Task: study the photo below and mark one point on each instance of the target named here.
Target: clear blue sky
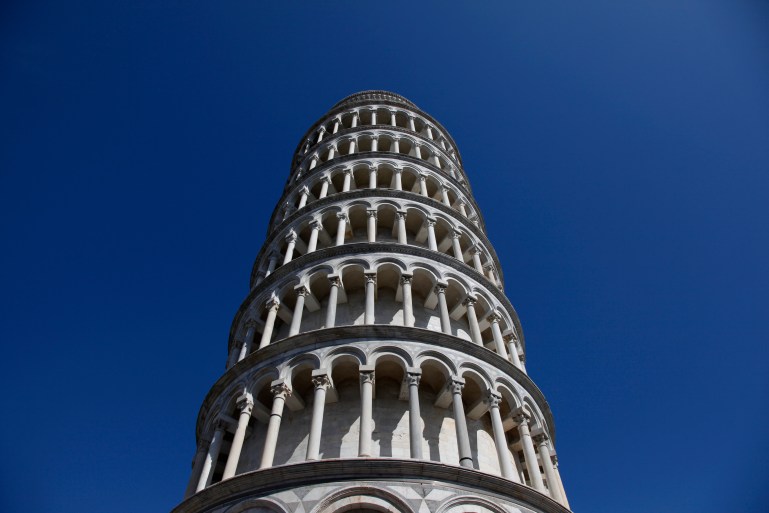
(619, 152)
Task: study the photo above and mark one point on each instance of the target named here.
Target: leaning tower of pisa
(376, 363)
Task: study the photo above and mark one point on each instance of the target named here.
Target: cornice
(346, 334)
(266, 481)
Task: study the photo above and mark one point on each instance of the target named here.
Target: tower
(376, 363)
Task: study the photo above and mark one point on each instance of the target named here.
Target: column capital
(326, 178)
(366, 374)
(304, 190)
(316, 224)
(291, 236)
(456, 384)
(476, 249)
(456, 234)
(398, 170)
(342, 216)
(440, 287)
(413, 375)
(321, 379)
(371, 212)
(493, 399)
(370, 277)
(430, 221)
(494, 317)
(273, 303)
(279, 389)
(400, 214)
(406, 278)
(347, 171)
(302, 290)
(520, 416)
(422, 176)
(335, 279)
(245, 403)
(488, 266)
(470, 300)
(509, 335)
(539, 436)
(322, 128)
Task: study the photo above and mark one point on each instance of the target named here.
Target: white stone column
(354, 119)
(368, 317)
(472, 320)
(398, 180)
(366, 410)
(505, 463)
(400, 219)
(324, 183)
(333, 295)
(392, 119)
(374, 144)
(272, 310)
(494, 318)
(440, 291)
(490, 273)
(411, 124)
(417, 151)
(423, 184)
(321, 133)
(353, 142)
(373, 117)
(316, 226)
(408, 306)
(429, 132)
(246, 405)
(337, 124)
(331, 152)
(291, 240)
(341, 228)
(372, 177)
(303, 195)
(456, 385)
(271, 264)
(396, 147)
(197, 466)
(248, 341)
(462, 208)
(313, 161)
(521, 417)
(371, 225)
(540, 438)
(320, 381)
(280, 391)
(455, 236)
(207, 472)
(437, 160)
(512, 348)
(347, 180)
(476, 251)
(432, 243)
(415, 417)
(564, 500)
(296, 320)
(445, 196)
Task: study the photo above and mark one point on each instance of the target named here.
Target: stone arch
(360, 497)
(469, 504)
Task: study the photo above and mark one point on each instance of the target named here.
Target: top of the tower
(373, 95)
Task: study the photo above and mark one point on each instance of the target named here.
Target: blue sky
(619, 152)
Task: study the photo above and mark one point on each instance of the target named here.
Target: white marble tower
(376, 363)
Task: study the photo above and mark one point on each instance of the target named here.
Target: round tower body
(376, 363)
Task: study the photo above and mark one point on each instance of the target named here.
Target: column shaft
(472, 318)
(237, 441)
(408, 307)
(333, 296)
(368, 317)
(415, 418)
(320, 381)
(444, 310)
(366, 406)
(460, 422)
(269, 324)
(279, 393)
(207, 472)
